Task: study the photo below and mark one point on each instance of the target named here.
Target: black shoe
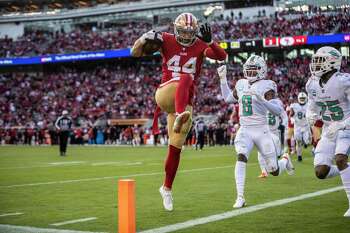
(300, 158)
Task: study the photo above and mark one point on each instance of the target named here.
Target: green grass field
(49, 189)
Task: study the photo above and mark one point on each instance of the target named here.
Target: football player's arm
(225, 90)
(214, 51)
(227, 94)
(269, 101)
(137, 48)
(312, 113)
(347, 93)
(291, 112)
(273, 106)
(284, 117)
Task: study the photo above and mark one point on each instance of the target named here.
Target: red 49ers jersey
(178, 59)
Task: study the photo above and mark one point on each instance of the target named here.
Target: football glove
(222, 71)
(334, 128)
(151, 35)
(205, 33)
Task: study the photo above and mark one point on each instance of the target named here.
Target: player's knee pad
(165, 96)
(178, 139)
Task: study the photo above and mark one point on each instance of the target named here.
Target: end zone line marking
(112, 177)
(73, 221)
(233, 213)
(23, 229)
(10, 214)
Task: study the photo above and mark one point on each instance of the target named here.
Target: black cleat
(300, 158)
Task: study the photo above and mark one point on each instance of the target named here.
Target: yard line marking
(73, 221)
(116, 163)
(144, 160)
(233, 213)
(112, 177)
(24, 229)
(10, 214)
(65, 163)
(105, 163)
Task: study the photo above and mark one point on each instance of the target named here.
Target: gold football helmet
(185, 28)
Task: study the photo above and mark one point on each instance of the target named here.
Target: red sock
(183, 93)
(171, 165)
(289, 142)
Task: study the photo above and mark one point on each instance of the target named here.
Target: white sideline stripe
(73, 221)
(10, 214)
(23, 229)
(112, 177)
(233, 213)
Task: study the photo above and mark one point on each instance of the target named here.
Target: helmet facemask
(318, 66)
(185, 36)
(251, 72)
(254, 68)
(302, 98)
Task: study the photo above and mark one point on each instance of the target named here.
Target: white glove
(333, 129)
(222, 71)
(257, 95)
(151, 35)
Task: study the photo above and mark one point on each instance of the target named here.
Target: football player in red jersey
(183, 53)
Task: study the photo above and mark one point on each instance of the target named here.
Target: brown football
(151, 46)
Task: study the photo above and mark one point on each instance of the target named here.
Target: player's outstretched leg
(240, 173)
(176, 141)
(344, 169)
(182, 97)
(171, 166)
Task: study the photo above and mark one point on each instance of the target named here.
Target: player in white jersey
(275, 123)
(302, 133)
(254, 94)
(329, 99)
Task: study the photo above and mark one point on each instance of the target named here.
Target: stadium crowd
(32, 101)
(94, 38)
